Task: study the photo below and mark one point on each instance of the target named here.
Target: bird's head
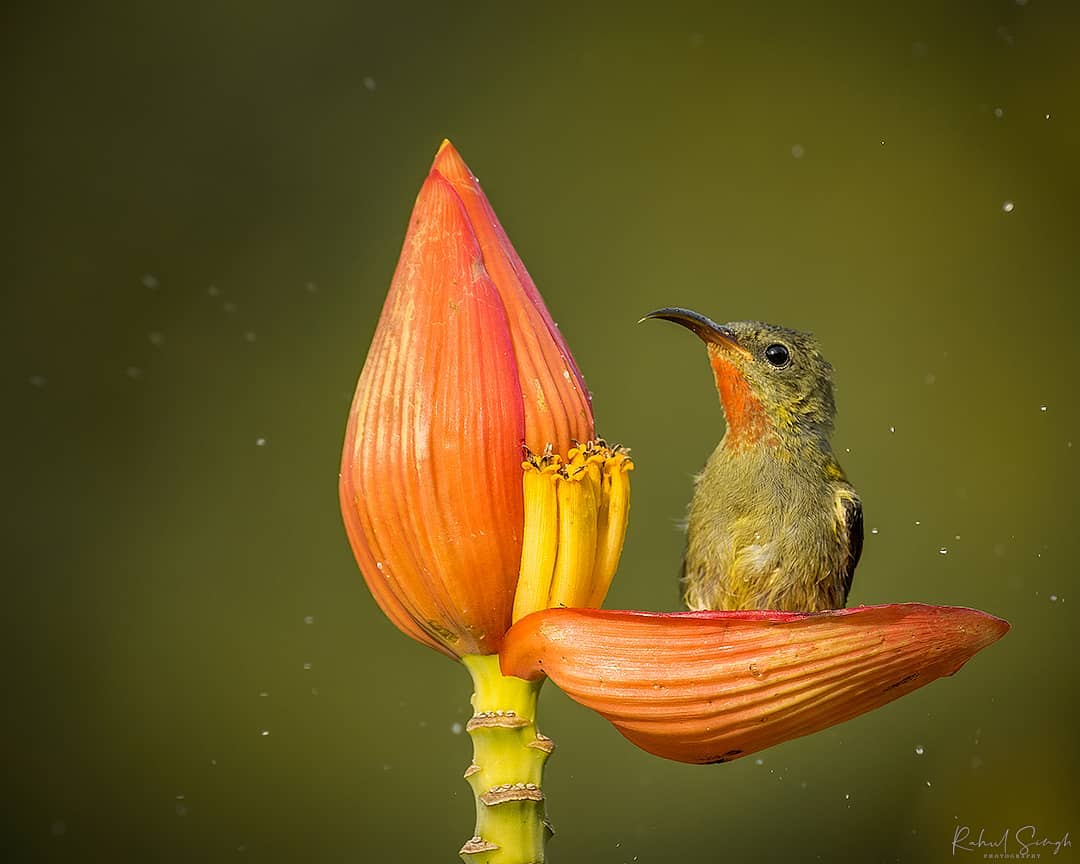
(773, 382)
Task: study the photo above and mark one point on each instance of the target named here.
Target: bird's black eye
(778, 355)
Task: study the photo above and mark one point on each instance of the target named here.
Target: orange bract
(557, 407)
(431, 476)
(713, 686)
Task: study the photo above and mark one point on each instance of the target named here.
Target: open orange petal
(712, 686)
(431, 470)
(557, 406)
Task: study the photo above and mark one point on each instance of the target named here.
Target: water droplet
(919, 750)
(1043, 408)
(456, 728)
(873, 530)
(798, 151)
(249, 335)
(892, 429)
(264, 693)
(943, 551)
(369, 83)
(956, 537)
(264, 732)
(999, 113)
(1008, 207)
(149, 280)
(1053, 598)
(917, 522)
(1047, 116)
(927, 784)
(309, 619)
(213, 763)
(759, 761)
(379, 564)
(307, 667)
(755, 671)
(260, 442)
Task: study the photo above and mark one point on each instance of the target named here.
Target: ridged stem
(507, 770)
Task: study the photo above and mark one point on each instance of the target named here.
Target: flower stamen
(575, 522)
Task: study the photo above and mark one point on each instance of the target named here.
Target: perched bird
(773, 523)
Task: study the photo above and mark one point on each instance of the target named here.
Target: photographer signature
(1026, 842)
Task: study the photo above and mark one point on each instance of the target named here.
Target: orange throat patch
(746, 420)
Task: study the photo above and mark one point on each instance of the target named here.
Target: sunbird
(773, 522)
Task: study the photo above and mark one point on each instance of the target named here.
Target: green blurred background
(205, 205)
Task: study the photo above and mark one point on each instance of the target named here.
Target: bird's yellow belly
(799, 572)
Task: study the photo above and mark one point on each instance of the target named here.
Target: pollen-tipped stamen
(540, 539)
(578, 511)
(611, 528)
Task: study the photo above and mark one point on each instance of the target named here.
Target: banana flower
(487, 520)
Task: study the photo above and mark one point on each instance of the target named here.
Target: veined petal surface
(430, 479)
(557, 406)
(712, 686)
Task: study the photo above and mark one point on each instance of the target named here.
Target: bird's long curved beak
(706, 329)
